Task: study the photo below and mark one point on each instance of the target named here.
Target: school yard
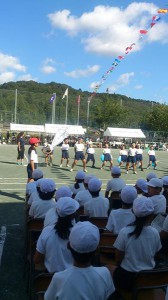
(12, 215)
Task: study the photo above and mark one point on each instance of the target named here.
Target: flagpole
(78, 109)
(88, 112)
(53, 109)
(15, 106)
(66, 110)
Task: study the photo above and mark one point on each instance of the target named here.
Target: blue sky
(76, 42)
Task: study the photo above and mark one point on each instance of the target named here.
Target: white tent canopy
(124, 133)
(72, 129)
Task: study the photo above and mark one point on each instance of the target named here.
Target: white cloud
(122, 81)
(26, 77)
(83, 73)
(47, 66)
(6, 77)
(139, 87)
(109, 30)
(8, 62)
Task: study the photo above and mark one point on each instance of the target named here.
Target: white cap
(94, 184)
(66, 206)
(80, 175)
(47, 186)
(37, 174)
(88, 177)
(128, 194)
(155, 182)
(63, 191)
(38, 182)
(165, 180)
(143, 206)
(84, 237)
(142, 185)
(150, 176)
(115, 171)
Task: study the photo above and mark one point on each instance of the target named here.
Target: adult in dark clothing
(21, 148)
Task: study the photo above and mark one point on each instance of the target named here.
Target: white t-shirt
(139, 151)
(97, 207)
(92, 283)
(65, 147)
(123, 152)
(51, 217)
(159, 202)
(31, 187)
(140, 252)
(83, 196)
(34, 197)
(115, 184)
(119, 218)
(38, 209)
(165, 224)
(132, 151)
(57, 256)
(79, 147)
(107, 150)
(33, 156)
(91, 150)
(151, 152)
(74, 190)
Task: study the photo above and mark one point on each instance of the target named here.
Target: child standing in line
(152, 158)
(107, 157)
(139, 157)
(90, 152)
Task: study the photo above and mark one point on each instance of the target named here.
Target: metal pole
(53, 109)
(15, 120)
(66, 110)
(88, 112)
(78, 109)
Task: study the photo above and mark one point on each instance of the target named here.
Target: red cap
(34, 141)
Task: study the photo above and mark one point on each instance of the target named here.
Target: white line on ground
(2, 240)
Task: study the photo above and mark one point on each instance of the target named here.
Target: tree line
(105, 110)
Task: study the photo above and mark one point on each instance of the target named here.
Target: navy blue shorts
(139, 157)
(65, 154)
(29, 170)
(131, 159)
(90, 157)
(124, 158)
(152, 158)
(107, 157)
(21, 153)
(79, 155)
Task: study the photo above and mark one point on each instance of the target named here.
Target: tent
(124, 133)
(72, 129)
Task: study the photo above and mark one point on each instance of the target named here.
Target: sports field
(12, 192)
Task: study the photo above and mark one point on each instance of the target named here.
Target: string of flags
(128, 49)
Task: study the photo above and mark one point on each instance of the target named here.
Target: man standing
(21, 148)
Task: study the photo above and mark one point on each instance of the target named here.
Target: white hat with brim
(143, 206)
(66, 206)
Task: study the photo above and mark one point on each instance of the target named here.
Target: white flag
(65, 94)
(60, 135)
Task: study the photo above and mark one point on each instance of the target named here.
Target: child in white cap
(51, 215)
(52, 243)
(38, 209)
(31, 186)
(154, 191)
(141, 187)
(165, 188)
(116, 183)
(84, 196)
(98, 206)
(79, 183)
(121, 217)
(136, 245)
(82, 281)
(150, 176)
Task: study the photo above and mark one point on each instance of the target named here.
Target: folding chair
(148, 285)
(115, 201)
(40, 285)
(106, 248)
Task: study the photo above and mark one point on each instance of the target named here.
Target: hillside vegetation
(112, 110)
